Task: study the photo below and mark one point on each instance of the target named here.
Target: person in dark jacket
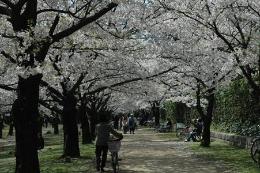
(103, 131)
(131, 124)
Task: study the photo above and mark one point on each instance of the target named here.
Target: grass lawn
(168, 136)
(237, 158)
(50, 161)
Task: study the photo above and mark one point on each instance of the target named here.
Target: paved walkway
(145, 152)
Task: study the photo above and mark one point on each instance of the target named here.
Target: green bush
(237, 110)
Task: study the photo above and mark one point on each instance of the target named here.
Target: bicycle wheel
(181, 134)
(198, 138)
(255, 151)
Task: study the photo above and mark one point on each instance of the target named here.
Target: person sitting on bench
(198, 125)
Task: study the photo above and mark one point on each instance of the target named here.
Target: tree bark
(1, 131)
(55, 124)
(86, 135)
(180, 110)
(71, 136)
(55, 128)
(27, 125)
(156, 113)
(93, 122)
(207, 120)
(11, 129)
(1, 126)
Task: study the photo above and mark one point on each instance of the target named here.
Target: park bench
(163, 128)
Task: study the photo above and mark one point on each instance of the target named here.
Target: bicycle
(255, 150)
(182, 133)
(114, 147)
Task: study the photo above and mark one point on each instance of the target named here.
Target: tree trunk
(207, 119)
(156, 113)
(157, 117)
(11, 129)
(93, 122)
(1, 132)
(56, 128)
(27, 125)
(86, 135)
(1, 126)
(71, 136)
(180, 110)
(55, 125)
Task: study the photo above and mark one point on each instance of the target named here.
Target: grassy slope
(50, 161)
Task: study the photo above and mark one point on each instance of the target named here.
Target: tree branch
(5, 11)
(54, 25)
(8, 3)
(51, 89)
(130, 80)
(83, 23)
(46, 105)
(12, 60)
(77, 84)
(7, 88)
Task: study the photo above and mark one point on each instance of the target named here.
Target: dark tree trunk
(92, 123)
(180, 110)
(1, 126)
(11, 129)
(156, 112)
(27, 125)
(92, 127)
(1, 131)
(56, 128)
(71, 136)
(207, 119)
(86, 135)
(55, 125)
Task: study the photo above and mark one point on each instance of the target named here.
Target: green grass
(51, 162)
(169, 136)
(5, 131)
(145, 128)
(239, 159)
(50, 158)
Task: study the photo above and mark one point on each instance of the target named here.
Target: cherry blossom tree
(197, 52)
(29, 29)
(235, 26)
(206, 43)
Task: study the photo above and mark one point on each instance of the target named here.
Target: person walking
(103, 131)
(125, 124)
(131, 124)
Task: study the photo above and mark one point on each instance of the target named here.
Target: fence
(236, 140)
